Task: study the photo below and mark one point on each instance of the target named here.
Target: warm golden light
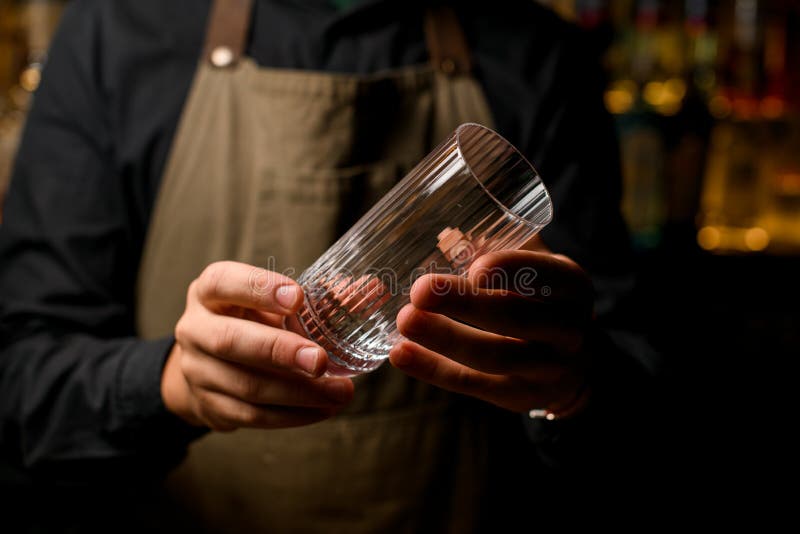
(620, 97)
(675, 88)
(666, 97)
(709, 238)
(654, 93)
(756, 239)
(618, 102)
(728, 238)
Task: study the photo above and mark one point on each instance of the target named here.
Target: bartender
(175, 149)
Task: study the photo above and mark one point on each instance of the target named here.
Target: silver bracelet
(579, 401)
(542, 414)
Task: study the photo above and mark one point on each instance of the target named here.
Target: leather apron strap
(229, 26)
(447, 45)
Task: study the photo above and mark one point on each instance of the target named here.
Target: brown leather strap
(228, 27)
(229, 24)
(447, 44)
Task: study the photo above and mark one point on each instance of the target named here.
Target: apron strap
(226, 36)
(447, 44)
(229, 25)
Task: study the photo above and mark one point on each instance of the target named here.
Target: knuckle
(465, 380)
(278, 349)
(182, 330)
(249, 387)
(210, 279)
(224, 341)
(206, 407)
(261, 282)
(188, 367)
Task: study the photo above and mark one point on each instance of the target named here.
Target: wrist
(175, 391)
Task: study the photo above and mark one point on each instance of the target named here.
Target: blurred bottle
(793, 58)
(639, 75)
(687, 132)
(781, 215)
(742, 72)
(751, 194)
(733, 190)
(703, 42)
(773, 100)
(733, 196)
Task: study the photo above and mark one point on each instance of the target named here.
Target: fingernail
(307, 359)
(287, 296)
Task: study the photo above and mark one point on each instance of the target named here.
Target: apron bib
(269, 167)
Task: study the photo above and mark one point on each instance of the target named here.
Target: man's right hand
(234, 365)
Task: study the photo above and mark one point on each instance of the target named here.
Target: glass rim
(505, 208)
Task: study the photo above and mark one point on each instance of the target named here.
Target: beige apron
(269, 167)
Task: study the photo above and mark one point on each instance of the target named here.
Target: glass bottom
(344, 359)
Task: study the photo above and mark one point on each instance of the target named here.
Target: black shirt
(77, 388)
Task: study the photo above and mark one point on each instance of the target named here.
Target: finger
(274, 320)
(224, 413)
(480, 350)
(257, 387)
(251, 344)
(544, 276)
(507, 392)
(230, 283)
(270, 319)
(498, 311)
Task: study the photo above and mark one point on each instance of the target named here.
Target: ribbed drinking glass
(475, 193)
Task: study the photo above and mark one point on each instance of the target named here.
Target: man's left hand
(511, 333)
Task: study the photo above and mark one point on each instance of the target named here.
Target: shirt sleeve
(78, 391)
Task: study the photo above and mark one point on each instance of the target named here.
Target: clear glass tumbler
(475, 193)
